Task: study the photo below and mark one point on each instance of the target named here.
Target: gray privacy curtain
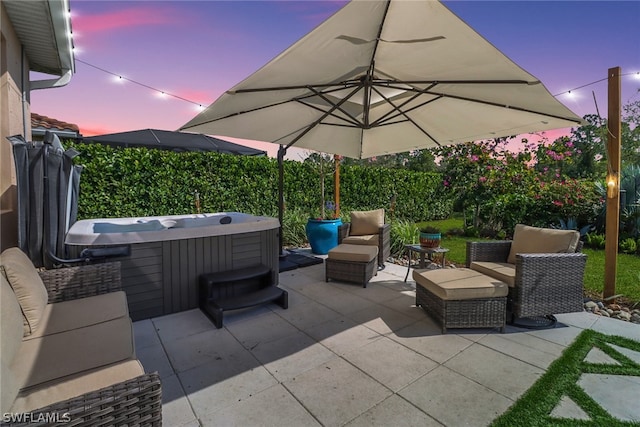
(48, 187)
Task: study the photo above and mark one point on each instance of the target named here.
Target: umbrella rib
(422, 104)
(416, 95)
(350, 119)
(509, 107)
(330, 102)
(444, 95)
(343, 85)
(405, 115)
(306, 86)
(324, 116)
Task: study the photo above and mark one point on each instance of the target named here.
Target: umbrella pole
(281, 152)
(336, 185)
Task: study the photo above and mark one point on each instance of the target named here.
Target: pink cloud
(199, 96)
(95, 130)
(132, 17)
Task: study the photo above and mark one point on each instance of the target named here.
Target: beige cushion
(367, 239)
(76, 385)
(460, 284)
(10, 341)
(366, 222)
(27, 285)
(10, 321)
(9, 387)
(79, 313)
(532, 240)
(502, 271)
(55, 356)
(355, 253)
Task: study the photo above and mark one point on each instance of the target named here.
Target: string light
(163, 94)
(120, 78)
(569, 92)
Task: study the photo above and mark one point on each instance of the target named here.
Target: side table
(424, 251)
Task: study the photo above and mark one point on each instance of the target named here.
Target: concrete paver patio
(346, 355)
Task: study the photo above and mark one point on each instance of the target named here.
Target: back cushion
(10, 340)
(366, 222)
(27, 286)
(530, 240)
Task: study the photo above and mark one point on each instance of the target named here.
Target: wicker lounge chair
(368, 228)
(543, 268)
(133, 399)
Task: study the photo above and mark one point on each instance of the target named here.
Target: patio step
(236, 289)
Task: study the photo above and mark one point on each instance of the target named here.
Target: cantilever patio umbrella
(382, 77)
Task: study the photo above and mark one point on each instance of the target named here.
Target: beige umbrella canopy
(383, 77)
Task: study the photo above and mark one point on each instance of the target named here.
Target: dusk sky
(199, 49)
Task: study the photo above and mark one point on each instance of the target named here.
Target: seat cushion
(10, 342)
(10, 321)
(459, 284)
(9, 385)
(366, 222)
(366, 239)
(76, 385)
(27, 285)
(55, 356)
(82, 312)
(355, 253)
(502, 271)
(532, 240)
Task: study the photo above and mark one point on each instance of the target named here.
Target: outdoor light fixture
(612, 186)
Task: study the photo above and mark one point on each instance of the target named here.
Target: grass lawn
(561, 380)
(628, 271)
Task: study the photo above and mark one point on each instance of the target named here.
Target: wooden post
(281, 152)
(613, 182)
(336, 185)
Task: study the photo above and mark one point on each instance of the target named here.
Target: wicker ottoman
(352, 263)
(462, 298)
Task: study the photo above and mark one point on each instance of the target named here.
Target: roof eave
(30, 19)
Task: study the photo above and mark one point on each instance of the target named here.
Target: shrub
(403, 233)
(130, 182)
(628, 246)
(595, 241)
(293, 227)
(471, 232)
(428, 229)
(455, 232)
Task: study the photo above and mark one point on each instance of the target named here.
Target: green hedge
(129, 182)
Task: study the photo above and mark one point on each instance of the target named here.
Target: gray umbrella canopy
(174, 141)
(385, 76)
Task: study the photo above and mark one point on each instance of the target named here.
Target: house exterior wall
(14, 81)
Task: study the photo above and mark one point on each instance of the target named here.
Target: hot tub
(169, 253)
(119, 231)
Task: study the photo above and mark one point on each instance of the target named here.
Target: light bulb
(611, 188)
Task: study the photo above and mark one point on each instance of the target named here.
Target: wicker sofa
(543, 268)
(368, 228)
(67, 349)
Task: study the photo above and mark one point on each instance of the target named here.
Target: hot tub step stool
(236, 289)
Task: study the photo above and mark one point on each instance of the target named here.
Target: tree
(630, 152)
(583, 154)
(422, 161)
(323, 165)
